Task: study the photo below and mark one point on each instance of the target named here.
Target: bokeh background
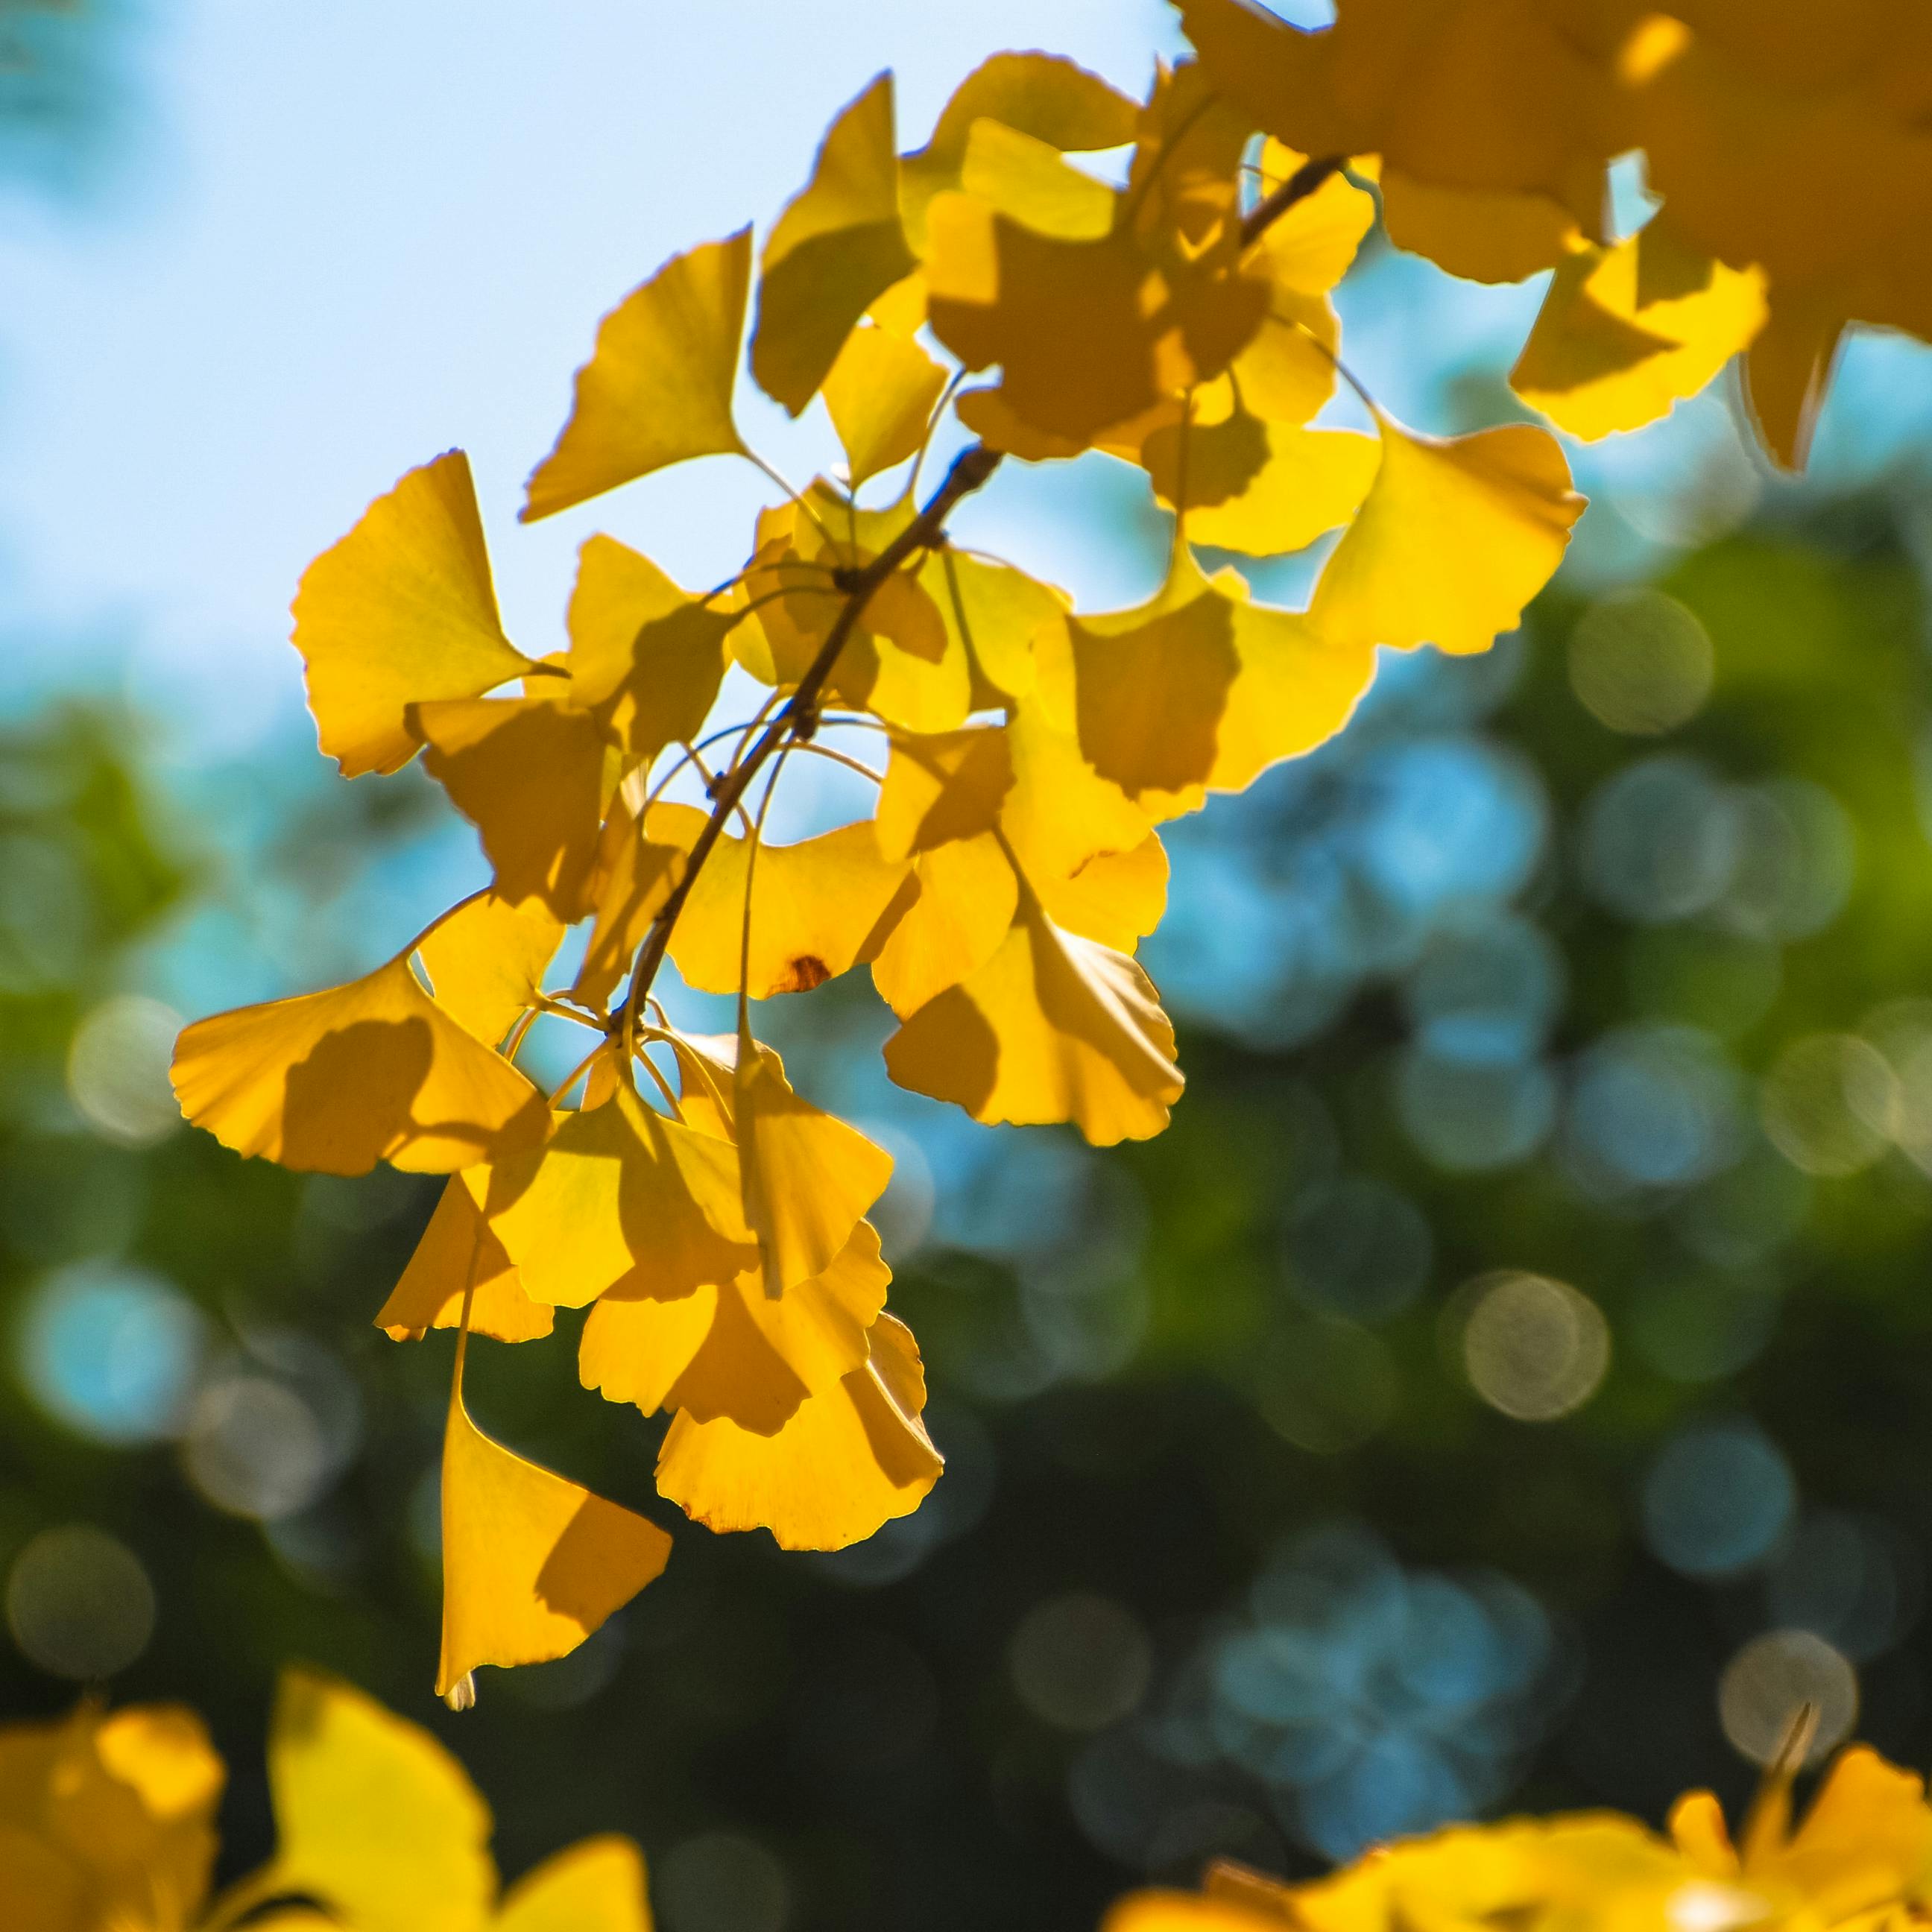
(1505, 1384)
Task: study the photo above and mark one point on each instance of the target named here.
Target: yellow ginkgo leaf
(943, 787)
(657, 389)
(1483, 235)
(485, 961)
(808, 1177)
(1624, 332)
(881, 392)
(638, 869)
(967, 892)
(334, 1081)
(528, 772)
(402, 610)
(1454, 539)
(839, 245)
(993, 610)
(620, 1190)
(1161, 1911)
(1117, 897)
(1788, 372)
(1261, 488)
(459, 1254)
(1053, 1027)
(1030, 181)
(1308, 248)
(531, 1564)
(1050, 99)
(1060, 812)
(597, 1886)
(646, 654)
(735, 1350)
(846, 1462)
(374, 1819)
(816, 910)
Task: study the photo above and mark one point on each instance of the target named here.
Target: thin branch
(858, 765)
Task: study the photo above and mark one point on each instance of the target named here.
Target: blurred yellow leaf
(1053, 1027)
(815, 907)
(644, 654)
(1484, 235)
(881, 392)
(968, 892)
(334, 1081)
(808, 1177)
(1455, 538)
(846, 1462)
(597, 1886)
(458, 1253)
(1030, 181)
(621, 1191)
(657, 389)
(838, 246)
(402, 609)
(1624, 332)
(485, 960)
(373, 1818)
(528, 772)
(943, 787)
(531, 1564)
(736, 1351)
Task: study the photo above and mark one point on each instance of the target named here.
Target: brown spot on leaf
(802, 973)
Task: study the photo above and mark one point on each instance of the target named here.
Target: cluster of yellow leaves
(1790, 146)
(1862, 1856)
(107, 1821)
(710, 1219)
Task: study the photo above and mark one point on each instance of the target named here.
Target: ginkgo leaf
(597, 1886)
(1624, 332)
(880, 392)
(1160, 1910)
(1042, 95)
(1053, 1027)
(401, 610)
(373, 1818)
(808, 1177)
(531, 1564)
(1117, 897)
(839, 245)
(968, 893)
(334, 1081)
(816, 908)
(1787, 373)
(1308, 248)
(647, 654)
(943, 787)
(1060, 812)
(1483, 235)
(846, 1462)
(459, 1255)
(528, 772)
(658, 387)
(993, 610)
(485, 961)
(621, 1191)
(638, 868)
(1031, 182)
(735, 1350)
(1454, 539)
(1261, 488)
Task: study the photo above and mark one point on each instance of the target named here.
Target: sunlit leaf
(1484, 235)
(658, 387)
(736, 1351)
(1454, 539)
(638, 867)
(334, 1081)
(528, 772)
(531, 1564)
(402, 610)
(880, 393)
(993, 610)
(839, 245)
(485, 960)
(458, 1254)
(1624, 332)
(938, 788)
(597, 1886)
(1117, 897)
(1053, 1027)
(848, 1461)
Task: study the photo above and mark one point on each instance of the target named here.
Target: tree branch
(971, 470)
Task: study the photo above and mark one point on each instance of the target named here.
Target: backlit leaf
(946, 786)
(1454, 539)
(839, 245)
(638, 867)
(485, 961)
(1053, 1027)
(1484, 235)
(334, 1081)
(459, 1254)
(657, 389)
(402, 610)
(597, 1886)
(880, 393)
(848, 1461)
(1117, 897)
(968, 893)
(993, 611)
(531, 1564)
